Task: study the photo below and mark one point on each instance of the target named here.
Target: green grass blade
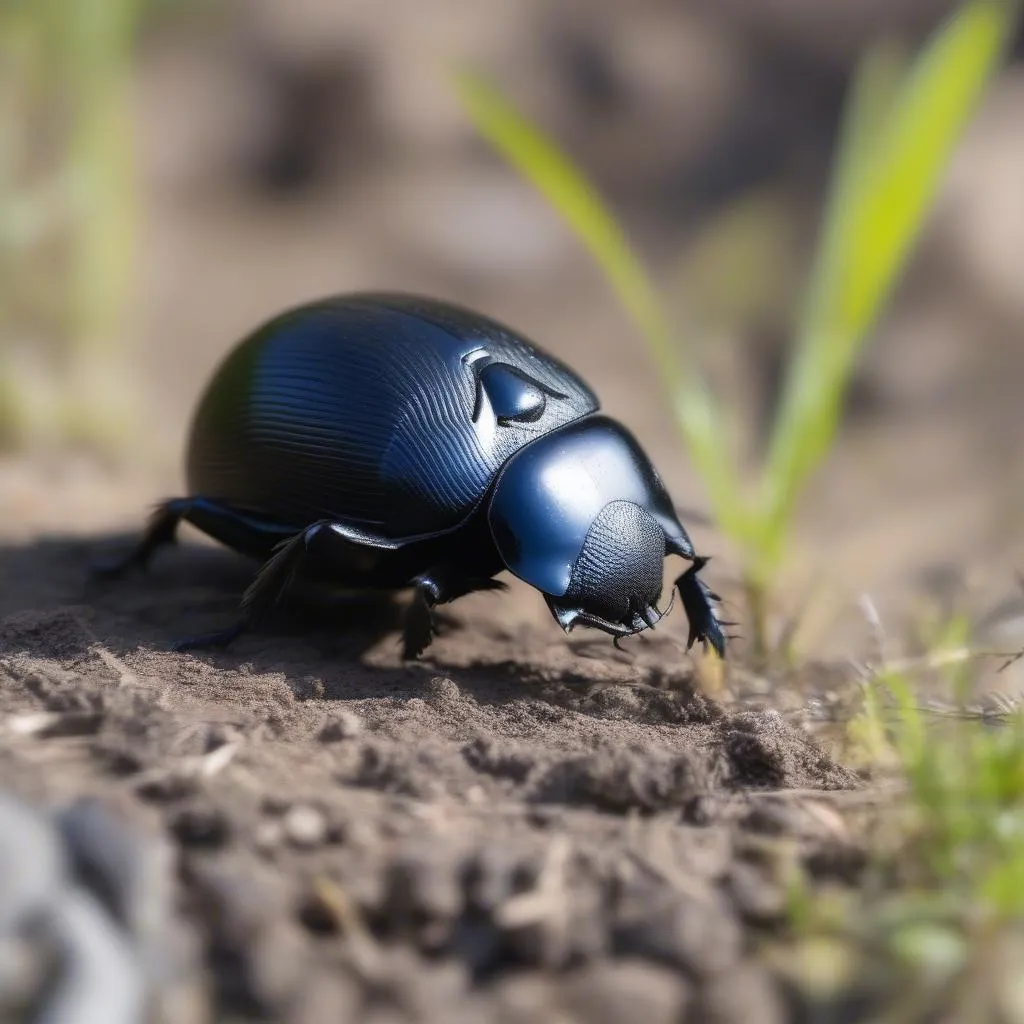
(887, 178)
(540, 161)
(874, 90)
(941, 93)
(550, 172)
(874, 87)
(97, 42)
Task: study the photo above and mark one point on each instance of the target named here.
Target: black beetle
(389, 441)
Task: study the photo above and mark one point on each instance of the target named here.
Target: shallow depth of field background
(172, 174)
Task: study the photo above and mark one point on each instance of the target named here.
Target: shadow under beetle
(388, 441)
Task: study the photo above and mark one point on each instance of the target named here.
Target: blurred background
(172, 173)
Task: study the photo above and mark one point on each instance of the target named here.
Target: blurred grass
(901, 125)
(933, 924)
(899, 133)
(574, 198)
(68, 216)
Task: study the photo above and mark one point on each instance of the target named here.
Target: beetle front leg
(699, 602)
(436, 586)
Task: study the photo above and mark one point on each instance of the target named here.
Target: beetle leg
(434, 587)
(160, 532)
(419, 622)
(278, 572)
(222, 638)
(699, 602)
(272, 581)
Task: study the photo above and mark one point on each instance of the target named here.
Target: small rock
(746, 993)
(620, 992)
(327, 997)
(343, 726)
(275, 804)
(166, 787)
(48, 725)
(422, 897)
(305, 826)
(759, 898)
(699, 934)
(442, 690)
(524, 998)
(274, 964)
(203, 827)
(268, 836)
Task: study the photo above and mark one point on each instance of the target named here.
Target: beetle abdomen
(368, 410)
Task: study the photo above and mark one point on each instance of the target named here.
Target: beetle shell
(388, 441)
(381, 411)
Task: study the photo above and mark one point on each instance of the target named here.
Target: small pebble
(305, 826)
(268, 836)
(166, 787)
(204, 827)
(623, 991)
(275, 804)
(758, 898)
(440, 689)
(344, 726)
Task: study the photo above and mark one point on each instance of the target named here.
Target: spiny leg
(161, 531)
(699, 602)
(439, 585)
(270, 584)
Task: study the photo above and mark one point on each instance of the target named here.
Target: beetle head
(581, 514)
(617, 579)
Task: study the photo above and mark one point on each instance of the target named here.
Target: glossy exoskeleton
(390, 441)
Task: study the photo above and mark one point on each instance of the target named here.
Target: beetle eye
(514, 396)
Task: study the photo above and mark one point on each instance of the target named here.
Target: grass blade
(540, 161)
(889, 171)
(550, 172)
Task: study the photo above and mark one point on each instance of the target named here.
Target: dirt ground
(515, 829)
(521, 826)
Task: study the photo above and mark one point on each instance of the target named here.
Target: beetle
(391, 441)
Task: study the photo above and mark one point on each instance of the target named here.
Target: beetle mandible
(392, 441)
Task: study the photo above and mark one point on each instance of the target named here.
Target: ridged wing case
(374, 410)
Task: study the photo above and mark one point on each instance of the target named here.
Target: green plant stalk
(98, 47)
(967, 793)
(875, 83)
(96, 43)
(888, 173)
(578, 203)
(74, 61)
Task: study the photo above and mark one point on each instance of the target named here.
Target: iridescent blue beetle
(390, 441)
